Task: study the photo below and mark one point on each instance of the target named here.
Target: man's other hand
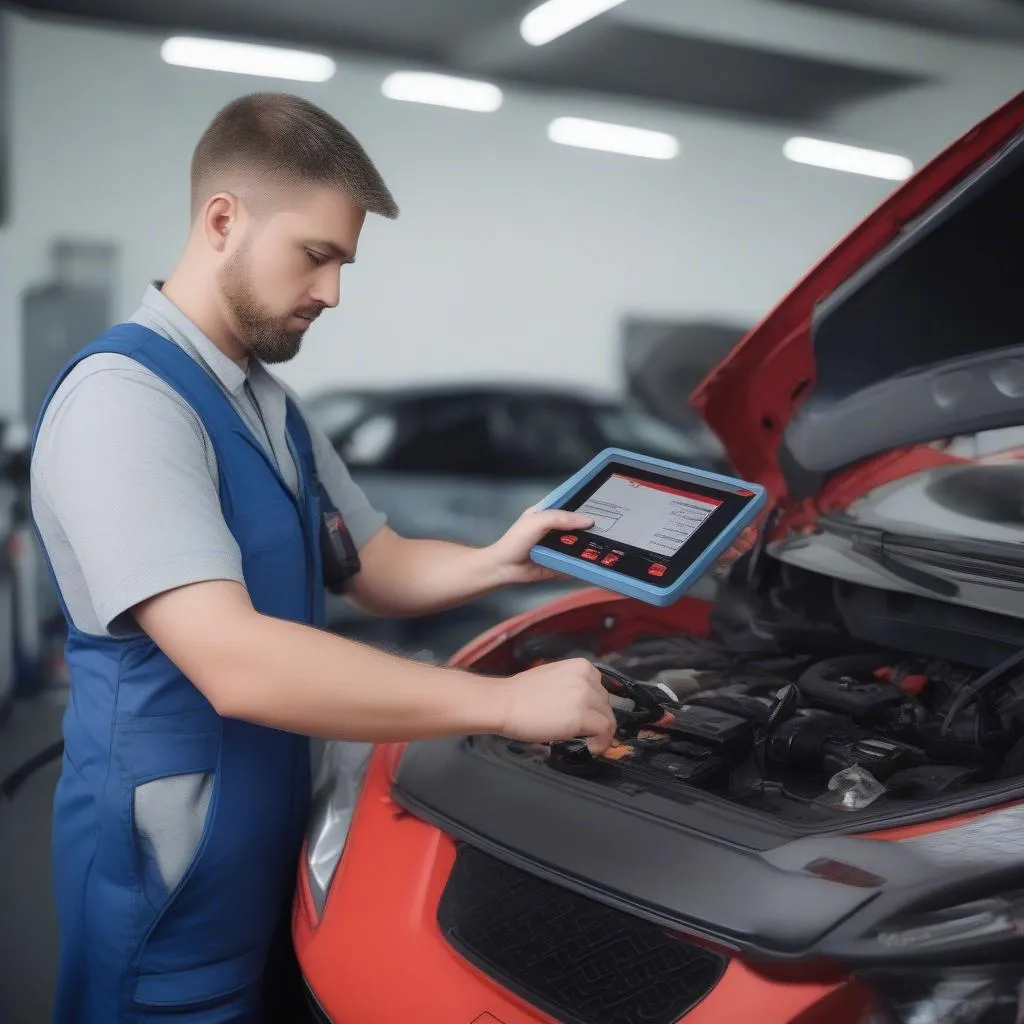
(510, 556)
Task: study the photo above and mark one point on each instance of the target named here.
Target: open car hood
(910, 331)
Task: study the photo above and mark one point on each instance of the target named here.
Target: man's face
(286, 270)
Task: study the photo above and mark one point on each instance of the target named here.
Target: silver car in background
(462, 462)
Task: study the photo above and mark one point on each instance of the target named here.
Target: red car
(832, 827)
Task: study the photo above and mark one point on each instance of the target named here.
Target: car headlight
(968, 995)
(951, 982)
(339, 781)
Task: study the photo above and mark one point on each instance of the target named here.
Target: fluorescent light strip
(247, 59)
(442, 91)
(556, 17)
(613, 138)
(837, 157)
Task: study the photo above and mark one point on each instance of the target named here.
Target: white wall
(513, 257)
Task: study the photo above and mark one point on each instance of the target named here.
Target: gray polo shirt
(124, 476)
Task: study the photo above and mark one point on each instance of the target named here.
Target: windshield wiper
(911, 574)
(1001, 564)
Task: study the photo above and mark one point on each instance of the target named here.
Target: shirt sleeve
(361, 518)
(124, 468)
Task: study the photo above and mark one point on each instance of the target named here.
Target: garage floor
(28, 926)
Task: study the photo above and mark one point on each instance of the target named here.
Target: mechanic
(189, 511)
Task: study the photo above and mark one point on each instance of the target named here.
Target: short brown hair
(286, 140)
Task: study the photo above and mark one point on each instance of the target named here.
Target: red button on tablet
(569, 538)
(610, 559)
(656, 570)
(591, 554)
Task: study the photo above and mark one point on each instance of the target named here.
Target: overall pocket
(209, 940)
(170, 816)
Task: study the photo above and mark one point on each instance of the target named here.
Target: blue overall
(130, 951)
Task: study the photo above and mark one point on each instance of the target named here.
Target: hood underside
(908, 332)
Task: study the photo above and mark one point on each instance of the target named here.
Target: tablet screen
(655, 517)
(650, 524)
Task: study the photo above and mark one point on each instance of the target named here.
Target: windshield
(638, 432)
(979, 496)
(954, 532)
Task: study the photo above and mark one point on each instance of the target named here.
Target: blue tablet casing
(619, 583)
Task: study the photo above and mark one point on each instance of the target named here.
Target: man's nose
(327, 290)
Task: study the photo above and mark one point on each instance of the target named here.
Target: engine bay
(830, 727)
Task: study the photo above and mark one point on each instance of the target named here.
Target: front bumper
(388, 948)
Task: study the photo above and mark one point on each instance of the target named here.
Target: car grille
(573, 958)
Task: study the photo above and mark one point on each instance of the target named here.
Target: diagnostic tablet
(658, 526)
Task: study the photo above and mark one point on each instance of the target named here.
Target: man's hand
(743, 543)
(563, 700)
(509, 557)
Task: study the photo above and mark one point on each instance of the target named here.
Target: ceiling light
(247, 59)
(837, 157)
(612, 138)
(556, 17)
(442, 91)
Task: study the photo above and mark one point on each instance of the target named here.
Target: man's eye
(315, 258)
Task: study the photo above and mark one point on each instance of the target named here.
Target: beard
(265, 335)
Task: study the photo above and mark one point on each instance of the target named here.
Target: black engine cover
(720, 731)
(848, 686)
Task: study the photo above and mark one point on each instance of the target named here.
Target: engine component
(726, 734)
(573, 757)
(753, 709)
(678, 683)
(647, 701)
(652, 739)
(783, 706)
(789, 610)
(828, 743)
(627, 716)
(850, 686)
(978, 737)
(827, 736)
(971, 692)
(882, 756)
(622, 753)
(912, 683)
(695, 765)
(931, 780)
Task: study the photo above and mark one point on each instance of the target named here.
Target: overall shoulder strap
(178, 370)
(169, 362)
(299, 434)
(315, 500)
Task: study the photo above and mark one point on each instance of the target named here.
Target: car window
(445, 436)
(637, 431)
(542, 436)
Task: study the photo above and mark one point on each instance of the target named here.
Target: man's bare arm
(293, 677)
(401, 576)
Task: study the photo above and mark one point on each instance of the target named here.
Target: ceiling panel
(980, 19)
(424, 28)
(606, 56)
(611, 57)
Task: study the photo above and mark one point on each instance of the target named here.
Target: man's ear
(220, 217)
